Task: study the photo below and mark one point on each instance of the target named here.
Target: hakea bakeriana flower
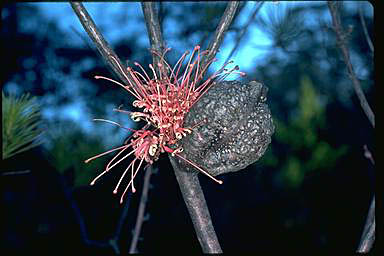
(165, 99)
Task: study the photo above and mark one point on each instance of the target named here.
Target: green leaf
(21, 124)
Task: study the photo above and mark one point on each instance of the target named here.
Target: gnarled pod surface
(235, 127)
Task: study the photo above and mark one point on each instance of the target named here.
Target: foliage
(21, 124)
(282, 25)
(304, 150)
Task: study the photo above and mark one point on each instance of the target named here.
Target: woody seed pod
(235, 127)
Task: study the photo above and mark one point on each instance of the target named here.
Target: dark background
(310, 192)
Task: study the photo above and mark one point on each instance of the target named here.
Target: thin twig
(103, 47)
(244, 30)
(197, 208)
(218, 37)
(112, 242)
(154, 30)
(79, 218)
(342, 43)
(15, 173)
(368, 236)
(82, 37)
(241, 6)
(362, 20)
(140, 214)
(123, 215)
(368, 155)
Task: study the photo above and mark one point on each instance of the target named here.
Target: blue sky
(62, 12)
(67, 21)
(249, 54)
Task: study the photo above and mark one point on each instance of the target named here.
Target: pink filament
(165, 102)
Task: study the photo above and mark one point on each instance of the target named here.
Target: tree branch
(368, 155)
(244, 29)
(80, 220)
(154, 30)
(342, 43)
(188, 183)
(140, 214)
(103, 47)
(15, 173)
(113, 241)
(368, 236)
(197, 208)
(365, 29)
(218, 37)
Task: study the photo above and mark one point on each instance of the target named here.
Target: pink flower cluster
(165, 100)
